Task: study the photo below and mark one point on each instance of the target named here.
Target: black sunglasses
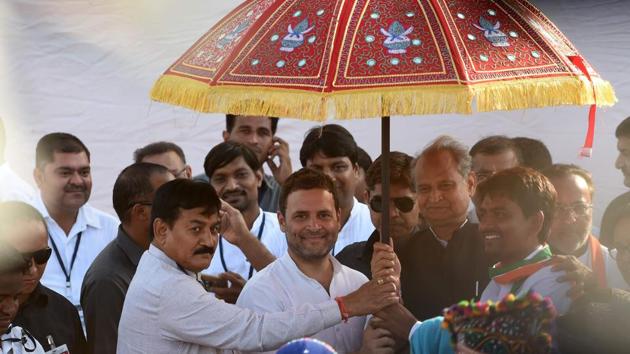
(404, 204)
(40, 257)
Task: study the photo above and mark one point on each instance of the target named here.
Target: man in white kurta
(283, 286)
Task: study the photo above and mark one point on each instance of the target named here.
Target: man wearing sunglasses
(403, 212)
(573, 220)
(42, 311)
(166, 154)
(14, 338)
(107, 280)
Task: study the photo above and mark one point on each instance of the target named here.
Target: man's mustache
(204, 249)
(74, 188)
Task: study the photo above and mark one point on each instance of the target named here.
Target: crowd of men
(236, 259)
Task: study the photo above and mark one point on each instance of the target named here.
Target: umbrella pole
(385, 138)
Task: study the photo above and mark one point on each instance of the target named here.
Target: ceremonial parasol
(350, 59)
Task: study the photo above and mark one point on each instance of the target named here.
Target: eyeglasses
(176, 173)
(615, 252)
(40, 256)
(577, 209)
(404, 204)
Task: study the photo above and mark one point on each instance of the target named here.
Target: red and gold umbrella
(376, 58)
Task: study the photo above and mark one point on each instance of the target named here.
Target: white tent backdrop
(86, 67)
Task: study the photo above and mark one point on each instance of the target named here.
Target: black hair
(306, 179)
(158, 148)
(332, 140)
(230, 121)
(399, 171)
(53, 143)
(363, 159)
(180, 194)
(495, 144)
(133, 185)
(534, 153)
(526, 187)
(623, 129)
(224, 153)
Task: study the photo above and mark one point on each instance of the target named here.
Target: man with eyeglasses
(166, 154)
(107, 280)
(571, 228)
(42, 311)
(403, 213)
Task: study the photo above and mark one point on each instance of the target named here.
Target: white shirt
(12, 187)
(167, 311)
(282, 286)
(544, 282)
(358, 228)
(235, 261)
(31, 346)
(613, 275)
(97, 230)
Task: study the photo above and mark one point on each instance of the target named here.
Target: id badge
(62, 349)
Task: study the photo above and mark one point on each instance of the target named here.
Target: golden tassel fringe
(368, 103)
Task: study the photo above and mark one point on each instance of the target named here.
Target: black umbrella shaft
(385, 179)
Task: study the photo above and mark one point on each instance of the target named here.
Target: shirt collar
(257, 222)
(86, 216)
(444, 243)
(291, 263)
(130, 248)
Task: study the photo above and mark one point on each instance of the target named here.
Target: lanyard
(251, 268)
(60, 260)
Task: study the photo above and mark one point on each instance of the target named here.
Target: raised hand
(284, 169)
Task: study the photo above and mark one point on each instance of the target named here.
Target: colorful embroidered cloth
(372, 58)
(513, 325)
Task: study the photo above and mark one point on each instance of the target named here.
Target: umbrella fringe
(367, 103)
(542, 92)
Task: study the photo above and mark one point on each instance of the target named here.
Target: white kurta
(358, 228)
(544, 282)
(613, 275)
(235, 261)
(282, 286)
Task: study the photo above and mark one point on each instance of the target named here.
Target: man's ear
(188, 171)
(339, 220)
(140, 211)
(471, 182)
(38, 176)
(282, 222)
(160, 231)
(226, 135)
(535, 222)
(355, 169)
(259, 178)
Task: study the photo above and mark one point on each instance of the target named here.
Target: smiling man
(515, 209)
(77, 232)
(443, 262)
(331, 149)
(168, 311)
(573, 221)
(234, 172)
(308, 274)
